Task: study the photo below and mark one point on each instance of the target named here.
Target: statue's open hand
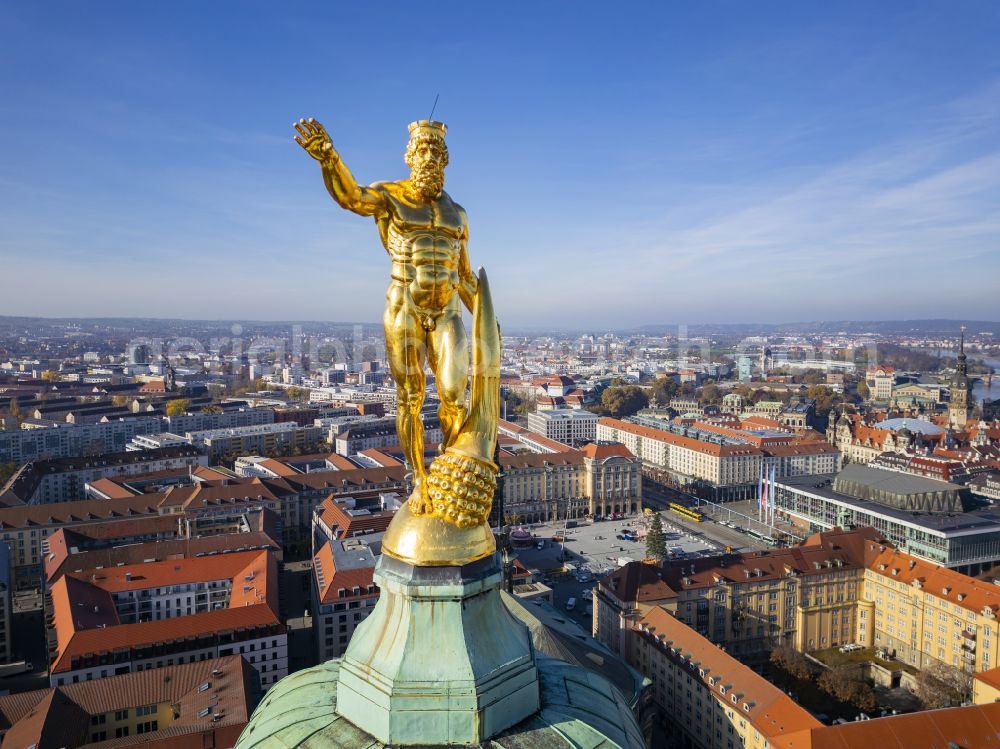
(314, 140)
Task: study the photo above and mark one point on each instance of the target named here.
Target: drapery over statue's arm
(339, 181)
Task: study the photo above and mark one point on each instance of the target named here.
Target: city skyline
(153, 174)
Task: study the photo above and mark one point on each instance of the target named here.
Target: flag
(774, 491)
(763, 496)
(760, 488)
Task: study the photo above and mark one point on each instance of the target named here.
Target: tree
(178, 407)
(710, 393)
(6, 471)
(791, 661)
(656, 542)
(623, 400)
(212, 409)
(664, 389)
(941, 685)
(119, 400)
(50, 375)
(15, 411)
(813, 377)
(845, 683)
(863, 390)
(519, 404)
(296, 393)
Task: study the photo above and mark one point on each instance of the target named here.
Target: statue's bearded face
(427, 156)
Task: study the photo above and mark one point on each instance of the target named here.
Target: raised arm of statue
(340, 183)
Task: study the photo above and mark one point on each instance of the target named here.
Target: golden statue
(425, 233)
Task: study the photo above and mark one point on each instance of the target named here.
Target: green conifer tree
(656, 542)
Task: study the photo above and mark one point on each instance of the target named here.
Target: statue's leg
(406, 347)
(448, 350)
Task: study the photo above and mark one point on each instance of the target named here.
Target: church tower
(960, 400)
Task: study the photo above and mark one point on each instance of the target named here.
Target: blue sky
(621, 163)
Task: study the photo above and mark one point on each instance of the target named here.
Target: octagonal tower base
(440, 660)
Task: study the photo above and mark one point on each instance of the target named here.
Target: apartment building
(343, 591)
(73, 440)
(709, 700)
(804, 596)
(75, 552)
(375, 433)
(532, 441)
(202, 704)
(201, 421)
(601, 479)
(259, 439)
(65, 479)
(686, 459)
(924, 614)
(357, 514)
(727, 459)
(706, 695)
(880, 381)
(570, 425)
(131, 618)
(6, 603)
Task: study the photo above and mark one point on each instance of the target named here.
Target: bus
(686, 512)
(761, 537)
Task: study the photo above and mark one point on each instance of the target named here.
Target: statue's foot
(418, 498)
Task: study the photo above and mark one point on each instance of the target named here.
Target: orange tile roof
(381, 458)
(971, 727)
(233, 687)
(277, 467)
(964, 591)
(333, 579)
(125, 636)
(990, 677)
(602, 451)
(335, 515)
(707, 448)
(772, 712)
(111, 488)
(86, 619)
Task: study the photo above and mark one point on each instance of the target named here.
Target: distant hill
(851, 327)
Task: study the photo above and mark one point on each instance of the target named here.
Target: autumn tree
(656, 541)
(14, 409)
(178, 407)
(845, 683)
(212, 409)
(791, 661)
(50, 375)
(941, 685)
(119, 400)
(519, 404)
(664, 389)
(622, 400)
(863, 390)
(710, 393)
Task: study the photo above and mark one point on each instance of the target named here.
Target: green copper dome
(579, 710)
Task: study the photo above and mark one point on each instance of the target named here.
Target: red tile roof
(86, 619)
(605, 450)
(772, 712)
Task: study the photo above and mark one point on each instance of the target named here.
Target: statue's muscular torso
(424, 241)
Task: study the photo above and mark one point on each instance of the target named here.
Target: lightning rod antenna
(434, 107)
